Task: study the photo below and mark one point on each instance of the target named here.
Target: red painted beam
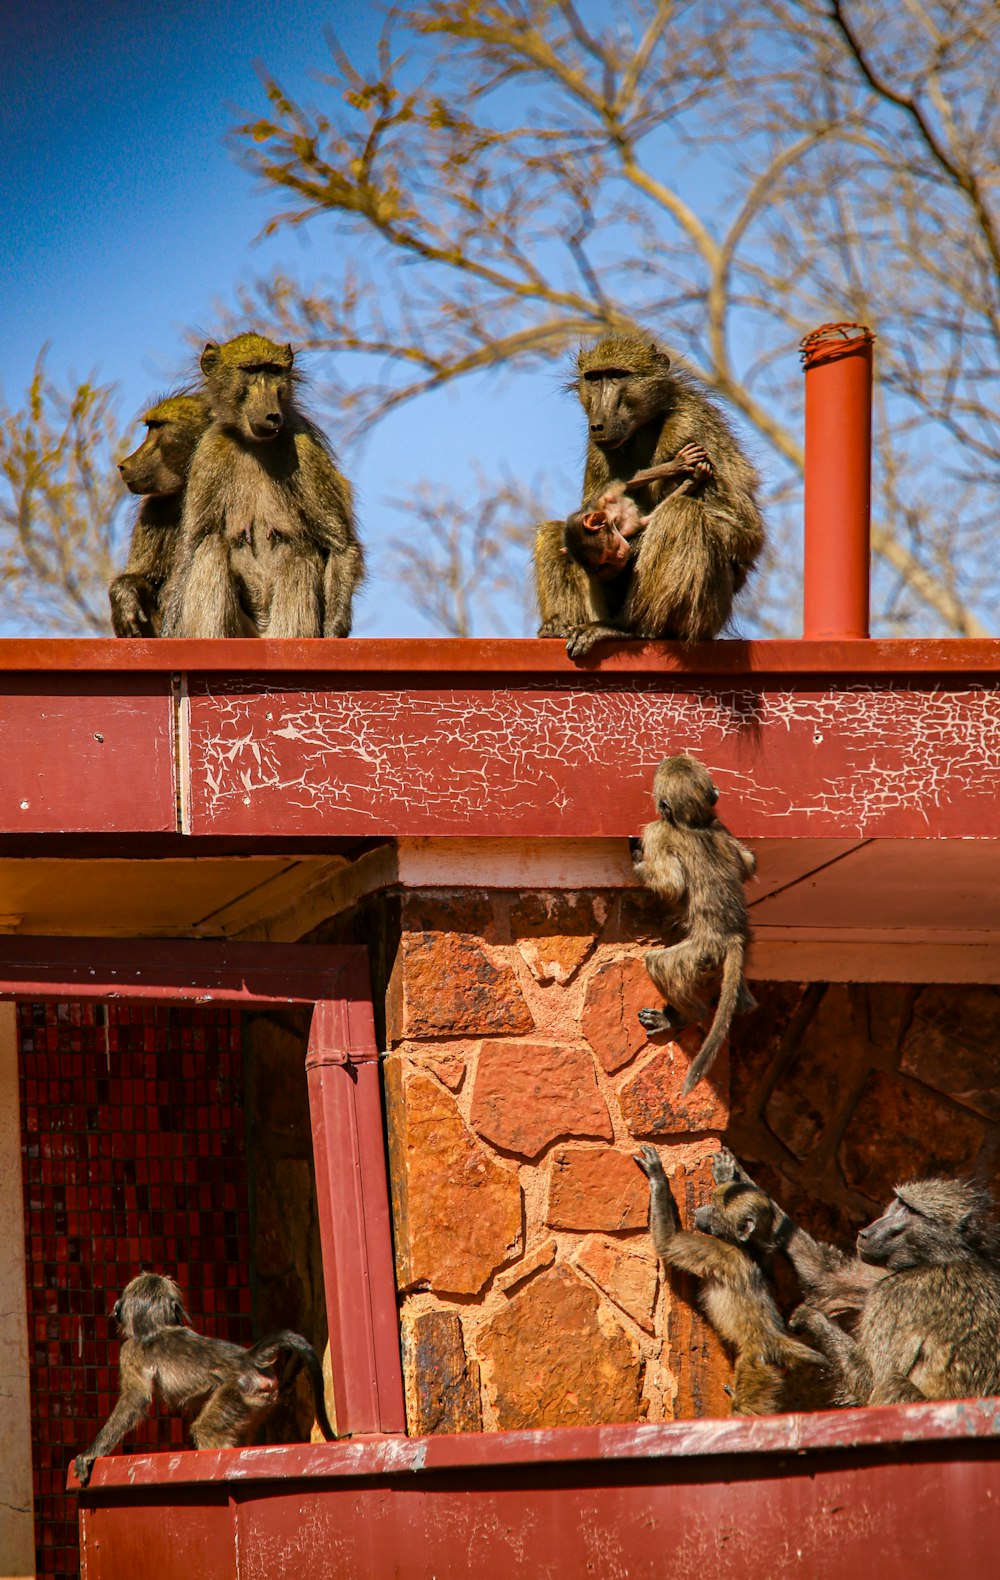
(186, 971)
(243, 659)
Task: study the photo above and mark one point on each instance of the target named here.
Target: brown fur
(930, 1326)
(270, 546)
(226, 1392)
(157, 470)
(699, 544)
(734, 1292)
(692, 862)
(605, 539)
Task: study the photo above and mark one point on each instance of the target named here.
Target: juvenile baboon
(226, 1392)
(698, 545)
(734, 1292)
(930, 1326)
(603, 540)
(692, 862)
(269, 541)
(157, 470)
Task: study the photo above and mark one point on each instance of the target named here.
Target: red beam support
(355, 1227)
(838, 373)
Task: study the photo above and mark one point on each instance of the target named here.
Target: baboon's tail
(732, 982)
(266, 1351)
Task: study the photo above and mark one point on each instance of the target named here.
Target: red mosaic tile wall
(133, 1157)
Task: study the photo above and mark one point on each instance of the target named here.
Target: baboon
(602, 540)
(930, 1326)
(690, 859)
(157, 470)
(225, 1391)
(698, 546)
(269, 541)
(734, 1292)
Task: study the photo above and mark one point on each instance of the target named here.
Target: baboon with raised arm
(225, 1391)
(922, 1296)
(691, 861)
(269, 541)
(698, 544)
(732, 1234)
(158, 471)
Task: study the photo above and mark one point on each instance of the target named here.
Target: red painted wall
(133, 1156)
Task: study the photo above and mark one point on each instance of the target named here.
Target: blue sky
(126, 218)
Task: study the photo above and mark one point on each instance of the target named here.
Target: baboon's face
(161, 463)
(249, 384)
(617, 402)
(262, 395)
(156, 467)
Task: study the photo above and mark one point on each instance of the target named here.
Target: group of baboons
(246, 526)
(914, 1316)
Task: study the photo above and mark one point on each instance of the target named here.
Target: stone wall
(518, 1084)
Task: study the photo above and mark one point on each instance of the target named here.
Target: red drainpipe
(838, 372)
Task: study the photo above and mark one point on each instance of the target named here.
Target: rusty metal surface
(453, 656)
(910, 1490)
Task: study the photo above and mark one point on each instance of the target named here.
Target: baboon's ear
(179, 1314)
(746, 1227)
(289, 354)
(658, 351)
(209, 356)
(713, 794)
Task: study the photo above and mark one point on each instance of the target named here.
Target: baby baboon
(930, 1326)
(692, 862)
(698, 546)
(157, 470)
(734, 1292)
(603, 540)
(270, 547)
(226, 1392)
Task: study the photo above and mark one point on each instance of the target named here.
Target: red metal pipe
(838, 372)
(355, 1226)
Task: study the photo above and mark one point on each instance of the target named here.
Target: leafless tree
(511, 175)
(61, 505)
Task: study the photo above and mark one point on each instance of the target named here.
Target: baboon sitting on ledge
(699, 541)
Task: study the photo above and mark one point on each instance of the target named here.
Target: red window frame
(345, 1106)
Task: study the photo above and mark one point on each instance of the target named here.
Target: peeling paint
(849, 760)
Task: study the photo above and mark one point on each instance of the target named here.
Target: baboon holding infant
(673, 497)
(226, 1392)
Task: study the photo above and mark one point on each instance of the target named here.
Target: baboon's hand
(653, 1020)
(725, 1168)
(648, 1160)
(83, 1466)
(635, 848)
(696, 462)
(586, 637)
